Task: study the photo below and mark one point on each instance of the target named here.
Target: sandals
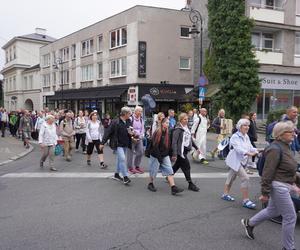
(249, 204)
(227, 197)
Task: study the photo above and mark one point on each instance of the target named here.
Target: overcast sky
(62, 17)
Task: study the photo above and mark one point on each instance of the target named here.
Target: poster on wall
(142, 49)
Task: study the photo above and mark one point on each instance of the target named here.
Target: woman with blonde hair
(182, 143)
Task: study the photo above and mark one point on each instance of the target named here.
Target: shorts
(165, 166)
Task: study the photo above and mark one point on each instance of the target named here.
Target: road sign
(202, 81)
(202, 92)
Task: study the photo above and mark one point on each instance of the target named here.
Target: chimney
(40, 31)
(188, 5)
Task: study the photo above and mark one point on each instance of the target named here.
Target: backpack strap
(198, 124)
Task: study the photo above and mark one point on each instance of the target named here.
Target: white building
(21, 71)
(142, 50)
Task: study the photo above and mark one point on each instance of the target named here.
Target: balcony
(272, 14)
(269, 57)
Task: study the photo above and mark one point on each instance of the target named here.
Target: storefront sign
(279, 81)
(142, 59)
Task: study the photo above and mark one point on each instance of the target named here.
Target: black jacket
(117, 133)
(161, 150)
(252, 131)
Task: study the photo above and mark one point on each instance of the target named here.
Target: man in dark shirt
(119, 133)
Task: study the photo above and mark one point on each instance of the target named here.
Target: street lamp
(59, 66)
(195, 18)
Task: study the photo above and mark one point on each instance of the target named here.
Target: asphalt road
(64, 212)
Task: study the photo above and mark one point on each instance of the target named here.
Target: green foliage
(275, 115)
(232, 63)
(187, 107)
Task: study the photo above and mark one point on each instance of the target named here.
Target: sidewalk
(12, 149)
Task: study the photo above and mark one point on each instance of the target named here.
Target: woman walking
(159, 157)
(94, 138)
(279, 178)
(157, 121)
(48, 140)
(252, 134)
(80, 131)
(242, 150)
(181, 144)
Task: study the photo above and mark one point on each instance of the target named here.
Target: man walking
(67, 133)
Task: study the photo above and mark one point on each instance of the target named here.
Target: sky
(62, 17)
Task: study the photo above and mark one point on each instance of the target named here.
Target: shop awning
(90, 93)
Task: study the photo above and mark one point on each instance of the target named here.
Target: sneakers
(126, 180)
(139, 170)
(117, 177)
(41, 164)
(151, 187)
(88, 162)
(249, 204)
(193, 187)
(53, 169)
(175, 190)
(248, 229)
(227, 197)
(103, 165)
(204, 162)
(132, 171)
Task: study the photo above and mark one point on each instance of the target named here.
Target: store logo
(154, 91)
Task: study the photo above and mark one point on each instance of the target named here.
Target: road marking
(108, 175)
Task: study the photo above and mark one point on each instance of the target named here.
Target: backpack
(262, 158)
(224, 148)
(269, 131)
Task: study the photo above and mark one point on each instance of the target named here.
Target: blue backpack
(262, 158)
(269, 131)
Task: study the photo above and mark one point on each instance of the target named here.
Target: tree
(231, 57)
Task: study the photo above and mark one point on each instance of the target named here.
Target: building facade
(21, 71)
(276, 38)
(143, 50)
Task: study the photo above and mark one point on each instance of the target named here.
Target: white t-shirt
(94, 130)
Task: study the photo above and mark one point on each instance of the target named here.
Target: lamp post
(58, 65)
(196, 18)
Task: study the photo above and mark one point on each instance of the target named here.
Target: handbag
(58, 149)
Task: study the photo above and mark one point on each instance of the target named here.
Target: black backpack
(262, 158)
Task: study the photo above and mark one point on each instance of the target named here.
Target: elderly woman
(240, 153)
(48, 140)
(278, 180)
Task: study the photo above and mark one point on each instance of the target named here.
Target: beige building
(143, 50)
(21, 71)
(276, 38)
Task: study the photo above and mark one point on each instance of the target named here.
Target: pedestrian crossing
(92, 175)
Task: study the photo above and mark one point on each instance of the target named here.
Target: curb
(18, 156)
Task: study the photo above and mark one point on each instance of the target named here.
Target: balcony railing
(265, 13)
(269, 56)
(264, 6)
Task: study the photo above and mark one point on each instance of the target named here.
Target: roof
(33, 68)
(33, 37)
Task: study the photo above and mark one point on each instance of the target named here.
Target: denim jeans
(280, 203)
(121, 161)
(165, 166)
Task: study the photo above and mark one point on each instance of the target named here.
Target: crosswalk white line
(107, 175)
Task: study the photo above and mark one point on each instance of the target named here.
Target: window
(25, 82)
(185, 63)
(298, 7)
(184, 32)
(64, 76)
(269, 4)
(118, 38)
(87, 73)
(14, 51)
(100, 70)
(10, 54)
(54, 78)
(64, 54)
(267, 41)
(73, 51)
(297, 44)
(14, 83)
(255, 38)
(46, 80)
(100, 43)
(54, 58)
(6, 56)
(46, 60)
(30, 85)
(87, 47)
(118, 67)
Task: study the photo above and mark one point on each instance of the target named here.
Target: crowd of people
(168, 143)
